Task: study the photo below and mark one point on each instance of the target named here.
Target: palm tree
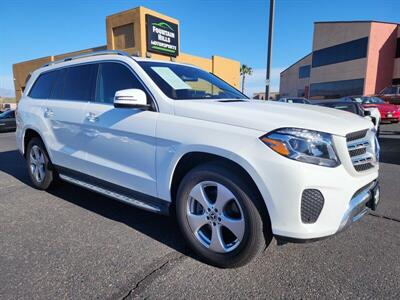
(245, 70)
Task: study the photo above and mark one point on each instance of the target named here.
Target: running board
(111, 194)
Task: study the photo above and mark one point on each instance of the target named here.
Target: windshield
(296, 100)
(390, 90)
(350, 107)
(182, 82)
(6, 114)
(372, 100)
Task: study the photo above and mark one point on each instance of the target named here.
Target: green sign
(162, 36)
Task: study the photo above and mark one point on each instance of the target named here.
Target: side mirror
(131, 98)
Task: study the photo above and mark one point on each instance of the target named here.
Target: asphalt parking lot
(72, 243)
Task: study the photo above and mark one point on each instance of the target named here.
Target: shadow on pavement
(390, 146)
(161, 228)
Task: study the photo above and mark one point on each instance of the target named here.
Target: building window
(304, 71)
(124, 36)
(343, 52)
(337, 89)
(300, 93)
(398, 48)
(396, 81)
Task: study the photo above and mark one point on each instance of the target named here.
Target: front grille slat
(356, 135)
(363, 167)
(357, 152)
(358, 145)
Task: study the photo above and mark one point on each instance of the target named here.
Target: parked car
(353, 107)
(173, 139)
(389, 113)
(7, 121)
(390, 94)
(295, 100)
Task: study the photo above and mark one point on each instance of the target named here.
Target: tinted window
(337, 89)
(304, 71)
(184, 82)
(343, 52)
(372, 100)
(78, 83)
(390, 90)
(42, 87)
(350, 107)
(396, 81)
(57, 92)
(114, 77)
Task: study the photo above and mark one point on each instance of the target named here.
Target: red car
(390, 94)
(390, 113)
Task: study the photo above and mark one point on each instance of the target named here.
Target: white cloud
(256, 82)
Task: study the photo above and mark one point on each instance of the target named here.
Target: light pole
(269, 48)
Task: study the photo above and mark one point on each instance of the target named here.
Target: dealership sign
(162, 36)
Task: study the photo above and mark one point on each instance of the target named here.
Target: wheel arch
(30, 133)
(192, 159)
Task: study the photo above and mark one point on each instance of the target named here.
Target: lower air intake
(312, 203)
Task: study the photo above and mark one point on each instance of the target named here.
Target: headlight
(307, 146)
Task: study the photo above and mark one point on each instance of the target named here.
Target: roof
(359, 21)
(296, 62)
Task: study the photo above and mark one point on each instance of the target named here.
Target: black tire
(257, 229)
(49, 175)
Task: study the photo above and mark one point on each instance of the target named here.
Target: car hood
(268, 115)
(385, 107)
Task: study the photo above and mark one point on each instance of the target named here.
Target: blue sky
(235, 29)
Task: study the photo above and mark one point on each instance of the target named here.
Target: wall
(290, 82)
(333, 33)
(381, 52)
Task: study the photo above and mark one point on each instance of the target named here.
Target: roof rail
(89, 54)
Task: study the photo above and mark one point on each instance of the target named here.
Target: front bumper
(363, 201)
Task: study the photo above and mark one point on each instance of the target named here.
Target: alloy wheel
(37, 163)
(215, 216)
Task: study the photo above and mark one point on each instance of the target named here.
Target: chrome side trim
(357, 207)
(110, 194)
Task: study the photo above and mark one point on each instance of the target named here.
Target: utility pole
(269, 50)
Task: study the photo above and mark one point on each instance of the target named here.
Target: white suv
(173, 139)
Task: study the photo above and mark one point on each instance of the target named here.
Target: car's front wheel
(39, 165)
(221, 216)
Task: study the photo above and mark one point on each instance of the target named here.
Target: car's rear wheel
(221, 217)
(39, 165)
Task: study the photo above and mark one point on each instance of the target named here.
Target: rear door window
(76, 83)
(42, 87)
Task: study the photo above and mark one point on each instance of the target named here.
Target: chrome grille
(356, 135)
(361, 147)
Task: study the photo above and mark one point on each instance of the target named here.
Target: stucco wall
(381, 52)
(332, 33)
(290, 82)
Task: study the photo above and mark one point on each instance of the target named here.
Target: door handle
(48, 113)
(91, 117)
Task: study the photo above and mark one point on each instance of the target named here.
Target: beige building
(348, 58)
(129, 31)
(261, 96)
